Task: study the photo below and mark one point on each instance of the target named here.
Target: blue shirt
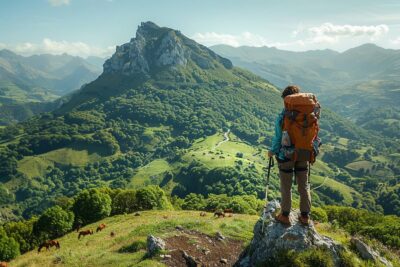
(277, 139)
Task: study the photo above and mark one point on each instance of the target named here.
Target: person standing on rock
(295, 146)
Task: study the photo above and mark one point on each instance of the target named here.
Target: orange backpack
(300, 124)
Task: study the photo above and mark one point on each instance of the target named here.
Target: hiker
(295, 145)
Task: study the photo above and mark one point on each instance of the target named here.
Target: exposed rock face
(277, 237)
(154, 244)
(368, 253)
(155, 47)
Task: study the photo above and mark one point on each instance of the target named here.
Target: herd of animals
(81, 233)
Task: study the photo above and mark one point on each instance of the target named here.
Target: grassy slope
(102, 250)
(33, 166)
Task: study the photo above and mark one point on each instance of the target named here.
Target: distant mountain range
(27, 81)
(354, 83)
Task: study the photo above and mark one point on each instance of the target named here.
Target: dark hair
(290, 90)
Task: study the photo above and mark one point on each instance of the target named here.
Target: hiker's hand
(270, 154)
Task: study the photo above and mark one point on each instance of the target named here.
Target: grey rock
(367, 253)
(220, 237)
(277, 237)
(224, 261)
(154, 244)
(190, 261)
(154, 47)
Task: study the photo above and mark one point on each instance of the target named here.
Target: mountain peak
(157, 47)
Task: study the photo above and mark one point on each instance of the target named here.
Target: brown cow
(219, 214)
(85, 232)
(49, 244)
(100, 227)
(3, 264)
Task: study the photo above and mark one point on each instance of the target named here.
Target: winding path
(226, 139)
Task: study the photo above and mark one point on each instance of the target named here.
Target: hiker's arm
(276, 140)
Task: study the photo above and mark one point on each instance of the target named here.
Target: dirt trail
(226, 139)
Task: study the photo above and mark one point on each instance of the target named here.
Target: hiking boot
(304, 219)
(283, 219)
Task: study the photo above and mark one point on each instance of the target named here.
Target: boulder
(277, 237)
(368, 253)
(154, 245)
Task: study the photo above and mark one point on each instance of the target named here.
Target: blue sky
(94, 27)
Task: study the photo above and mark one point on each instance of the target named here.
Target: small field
(33, 166)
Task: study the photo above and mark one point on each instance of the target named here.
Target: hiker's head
(290, 90)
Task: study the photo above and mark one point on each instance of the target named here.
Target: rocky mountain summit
(275, 238)
(156, 47)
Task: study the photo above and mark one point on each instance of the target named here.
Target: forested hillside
(157, 115)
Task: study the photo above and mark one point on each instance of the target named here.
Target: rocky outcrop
(155, 47)
(154, 245)
(277, 237)
(368, 253)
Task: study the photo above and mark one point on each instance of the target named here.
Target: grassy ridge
(102, 250)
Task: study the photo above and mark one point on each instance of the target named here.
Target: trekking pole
(270, 165)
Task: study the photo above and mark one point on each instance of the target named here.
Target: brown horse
(228, 210)
(48, 244)
(85, 232)
(3, 264)
(100, 227)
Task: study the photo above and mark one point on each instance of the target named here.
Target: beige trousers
(300, 169)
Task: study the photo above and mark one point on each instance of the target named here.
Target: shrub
(91, 205)
(124, 202)
(9, 248)
(54, 222)
(319, 214)
(152, 197)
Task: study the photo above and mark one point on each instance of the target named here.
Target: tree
(124, 202)
(91, 205)
(193, 202)
(54, 222)
(9, 248)
(152, 197)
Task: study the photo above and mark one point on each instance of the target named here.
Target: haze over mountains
(359, 81)
(27, 81)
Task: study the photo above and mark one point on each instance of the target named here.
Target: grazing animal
(100, 227)
(49, 244)
(228, 210)
(85, 232)
(3, 264)
(112, 234)
(203, 214)
(219, 214)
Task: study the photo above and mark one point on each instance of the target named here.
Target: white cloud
(330, 32)
(245, 38)
(48, 46)
(59, 2)
(396, 41)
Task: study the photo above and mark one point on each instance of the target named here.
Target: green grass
(102, 250)
(154, 169)
(357, 165)
(344, 189)
(34, 166)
